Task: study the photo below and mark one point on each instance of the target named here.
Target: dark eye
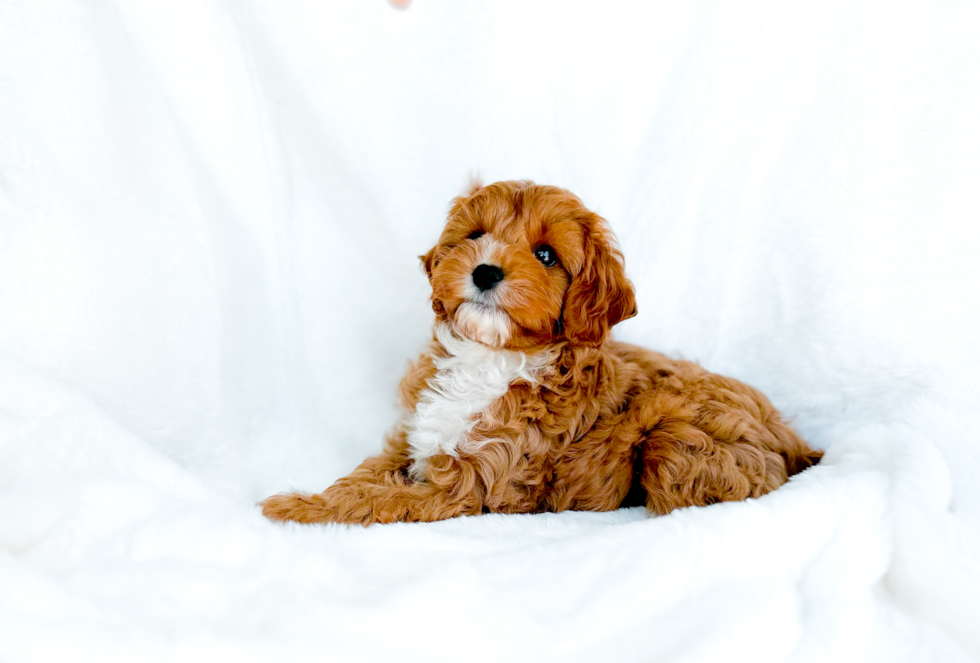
(476, 234)
(546, 255)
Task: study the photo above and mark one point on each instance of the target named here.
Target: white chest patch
(466, 382)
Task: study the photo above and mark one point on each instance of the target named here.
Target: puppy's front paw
(296, 506)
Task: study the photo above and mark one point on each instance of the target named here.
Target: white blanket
(210, 214)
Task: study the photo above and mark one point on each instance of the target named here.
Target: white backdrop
(210, 217)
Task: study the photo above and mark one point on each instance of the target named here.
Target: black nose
(487, 276)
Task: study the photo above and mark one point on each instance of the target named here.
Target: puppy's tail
(800, 462)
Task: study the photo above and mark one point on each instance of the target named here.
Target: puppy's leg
(683, 465)
(367, 500)
(364, 498)
(378, 491)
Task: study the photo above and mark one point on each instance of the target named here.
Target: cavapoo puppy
(522, 403)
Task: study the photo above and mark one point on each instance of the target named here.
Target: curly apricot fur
(602, 425)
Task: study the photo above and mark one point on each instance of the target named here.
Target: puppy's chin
(484, 324)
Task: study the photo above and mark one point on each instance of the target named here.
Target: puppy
(522, 403)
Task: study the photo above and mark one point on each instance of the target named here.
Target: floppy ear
(428, 261)
(600, 295)
(428, 264)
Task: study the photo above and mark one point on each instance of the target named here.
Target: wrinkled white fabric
(210, 217)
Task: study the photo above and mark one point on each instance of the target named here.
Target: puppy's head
(520, 266)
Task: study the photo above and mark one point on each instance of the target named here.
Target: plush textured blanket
(210, 217)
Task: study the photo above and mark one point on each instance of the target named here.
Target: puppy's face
(521, 266)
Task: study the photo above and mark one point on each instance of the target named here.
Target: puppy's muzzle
(486, 277)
